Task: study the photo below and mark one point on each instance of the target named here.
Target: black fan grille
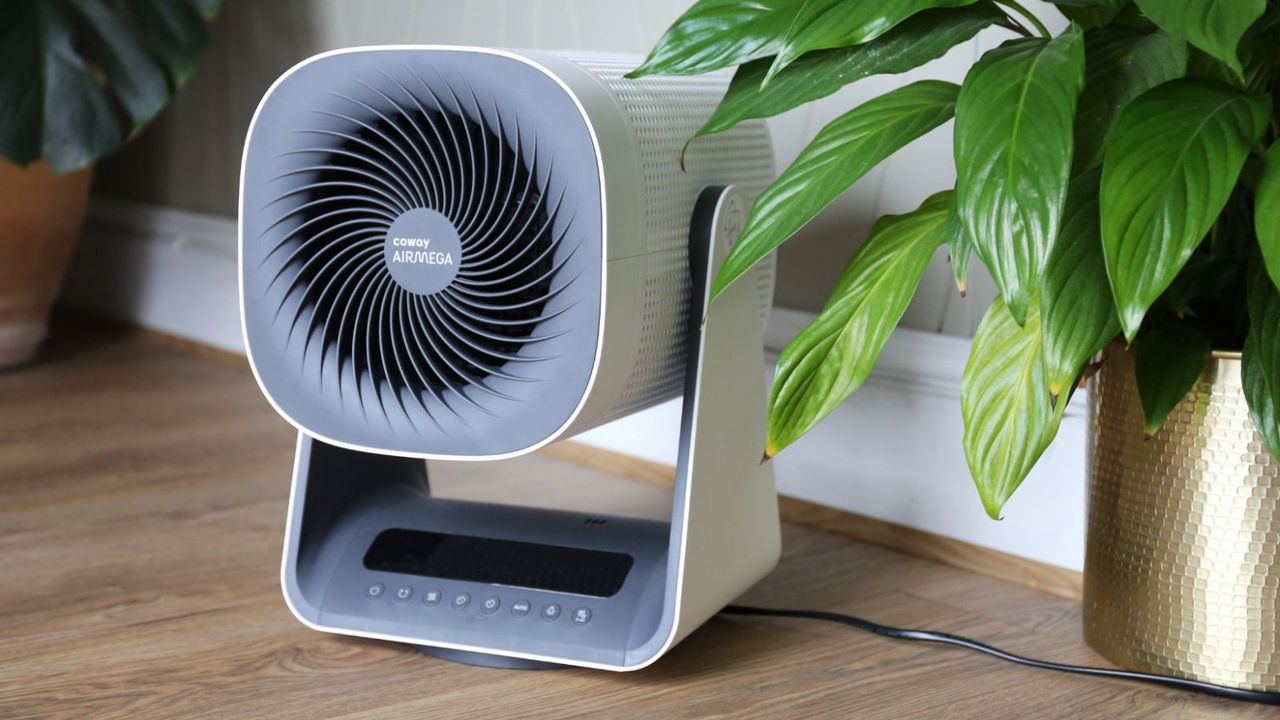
(373, 155)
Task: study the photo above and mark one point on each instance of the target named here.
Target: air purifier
(465, 254)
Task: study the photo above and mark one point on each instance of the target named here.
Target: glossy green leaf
(1170, 164)
(832, 357)
(1013, 146)
(823, 24)
(1214, 26)
(960, 249)
(919, 39)
(1077, 315)
(1260, 366)
(1089, 13)
(842, 152)
(1120, 64)
(1169, 357)
(718, 33)
(1266, 209)
(1009, 418)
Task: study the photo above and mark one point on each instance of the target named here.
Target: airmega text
(404, 252)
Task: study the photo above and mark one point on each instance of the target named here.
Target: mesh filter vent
(376, 357)
(664, 113)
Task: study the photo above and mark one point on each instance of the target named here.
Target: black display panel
(554, 568)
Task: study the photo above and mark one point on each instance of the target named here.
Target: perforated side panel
(664, 113)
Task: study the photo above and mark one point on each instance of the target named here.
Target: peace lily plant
(1120, 179)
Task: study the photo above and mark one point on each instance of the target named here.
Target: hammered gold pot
(1182, 569)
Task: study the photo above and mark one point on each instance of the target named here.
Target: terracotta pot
(1182, 571)
(40, 218)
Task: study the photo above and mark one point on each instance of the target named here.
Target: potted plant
(77, 79)
(1121, 183)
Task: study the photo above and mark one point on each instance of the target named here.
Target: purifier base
(486, 660)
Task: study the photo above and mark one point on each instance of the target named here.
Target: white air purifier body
(465, 254)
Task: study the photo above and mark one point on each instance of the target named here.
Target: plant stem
(1010, 23)
(1016, 7)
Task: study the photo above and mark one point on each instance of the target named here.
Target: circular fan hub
(422, 251)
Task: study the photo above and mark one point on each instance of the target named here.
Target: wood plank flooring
(142, 504)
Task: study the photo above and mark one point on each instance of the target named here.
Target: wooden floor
(142, 505)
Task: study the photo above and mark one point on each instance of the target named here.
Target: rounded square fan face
(421, 251)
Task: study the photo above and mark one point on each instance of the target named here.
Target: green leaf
(1013, 144)
(1260, 366)
(842, 152)
(960, 248)
(79, 123)
(1214, 26)
(1120, 64)
(1204, 277)
(208, 8)
(718, 33)
(1266, 209)
(1009, 418)
(21, 82)
(174, 32)
(1077, 315)
(1170, 164)
(72, 70)
(1089, 13)
(818, 74)
(133, 76)
(832, 357)
(823, 24)
(1169, 357)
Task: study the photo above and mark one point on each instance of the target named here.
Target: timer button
(461, 600)
(375, 590)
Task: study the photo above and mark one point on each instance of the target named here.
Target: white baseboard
(892, 452)
(166, 269)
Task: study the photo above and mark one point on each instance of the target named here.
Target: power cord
(1257, 696)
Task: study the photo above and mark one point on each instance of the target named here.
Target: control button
(490, 605)
(581, 616)
(403, 593)
(550, 612)
(520, 608)
(431, 598)
(375, 590)
(461, 600)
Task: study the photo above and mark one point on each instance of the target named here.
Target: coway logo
(417, 251)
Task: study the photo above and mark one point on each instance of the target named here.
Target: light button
(550, 612)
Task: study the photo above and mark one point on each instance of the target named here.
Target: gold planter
(1182, 571)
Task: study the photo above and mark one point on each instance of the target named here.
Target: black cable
(1257, 696)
